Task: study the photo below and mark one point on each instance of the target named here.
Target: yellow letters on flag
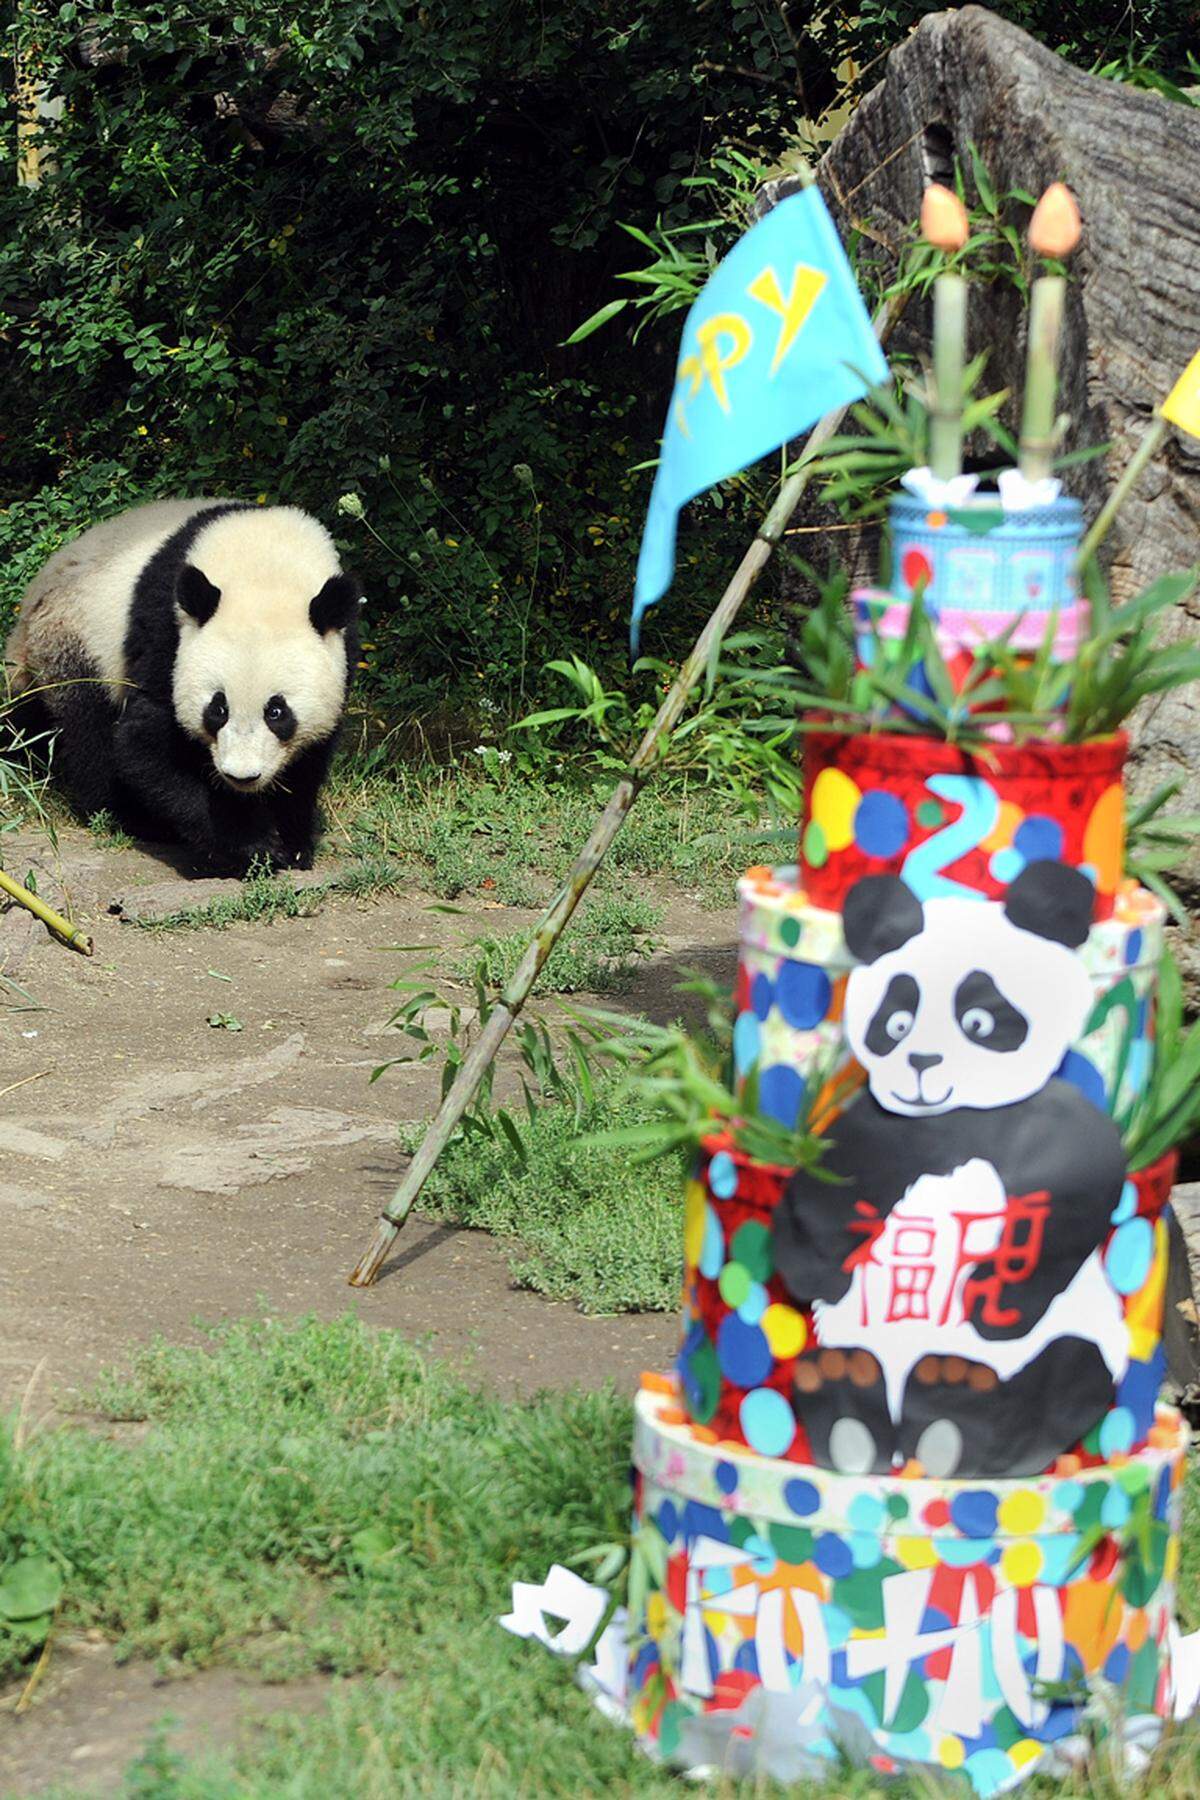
(1182, 404)
(793, 308)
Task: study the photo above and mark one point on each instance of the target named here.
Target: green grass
(515, 839)
(586, 1224)
(263, 897)
(608, 937)
(318, 1498)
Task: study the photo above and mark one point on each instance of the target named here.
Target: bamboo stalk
(1053, 232)
(54, 922)
(1098, 530)
(945, 226)
(1036, 449)
(554, 920)
(949, 359)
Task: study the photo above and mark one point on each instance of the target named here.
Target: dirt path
(162, 1171)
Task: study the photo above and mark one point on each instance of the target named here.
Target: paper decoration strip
(961, 1624)
(953, 824)
(777, 338)
(790, 990)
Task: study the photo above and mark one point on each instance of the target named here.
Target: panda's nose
(921, 1063)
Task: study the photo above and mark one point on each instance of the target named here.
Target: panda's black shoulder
(1057, 1139)
(151, 630)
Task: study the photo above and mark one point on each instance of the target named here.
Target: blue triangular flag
(777, 337)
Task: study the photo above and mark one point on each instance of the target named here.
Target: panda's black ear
(336, 606)
(879, 914)
(1053, 901)
(196, 594)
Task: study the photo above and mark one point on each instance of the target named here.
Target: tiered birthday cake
(911, 1494)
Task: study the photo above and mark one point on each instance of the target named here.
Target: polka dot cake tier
(950, 821)
(900, 1620)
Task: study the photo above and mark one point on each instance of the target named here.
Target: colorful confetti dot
(1039, 839)
(816, 850)
(881, 824)
(734, 1283)
(1021, 1564)
(743, 1352)
(802, 994)
(802, 1497)
(747, 1041)
(751, 1246)
(1129, 1255)
(1022, 1512)
(833, 801)
(723, 1175)
(785, 1330)
(767, 1422)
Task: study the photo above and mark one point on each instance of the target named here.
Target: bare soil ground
(159, 1172)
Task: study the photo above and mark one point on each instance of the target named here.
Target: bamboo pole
(1053, 232)
(1152, 437)
(62, 929)
(945, 225)
(554, 920)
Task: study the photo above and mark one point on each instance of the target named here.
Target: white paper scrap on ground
(1185, 1662)
(564, 1595)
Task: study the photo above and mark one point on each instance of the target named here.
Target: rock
(1132, 160)
(1181, 1321)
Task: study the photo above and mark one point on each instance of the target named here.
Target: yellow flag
(1182, 404)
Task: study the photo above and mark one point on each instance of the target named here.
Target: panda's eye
(216, 713)
(894, 1017)
(279, 718)
(985, 1016)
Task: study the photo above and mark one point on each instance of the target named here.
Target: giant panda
(949, 1241)
(193, 657)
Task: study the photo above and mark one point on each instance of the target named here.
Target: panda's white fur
(902, 1007)
(164, 644)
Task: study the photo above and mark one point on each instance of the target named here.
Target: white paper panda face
(971, 1010)
(260, 671)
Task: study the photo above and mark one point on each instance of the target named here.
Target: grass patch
(607, 938)
(588, 1225)
(515, 838)
(263, 897)
(318, 1498)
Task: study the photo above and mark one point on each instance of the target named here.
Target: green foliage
(1168, 1111)
(338, 252)
(584, 1225)
(607, 938)
(1120, 663)
(721, 742)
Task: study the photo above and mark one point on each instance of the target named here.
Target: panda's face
(257, 699)
(971, 1010)
(260, 669)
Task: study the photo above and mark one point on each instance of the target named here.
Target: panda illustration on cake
(950, 1244)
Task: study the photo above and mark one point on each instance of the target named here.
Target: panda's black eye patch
(280, 718)
(985, 1016)
(894, 1017)
(216, 713)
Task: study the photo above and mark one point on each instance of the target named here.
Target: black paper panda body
(962, 1312)
(193, 657)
